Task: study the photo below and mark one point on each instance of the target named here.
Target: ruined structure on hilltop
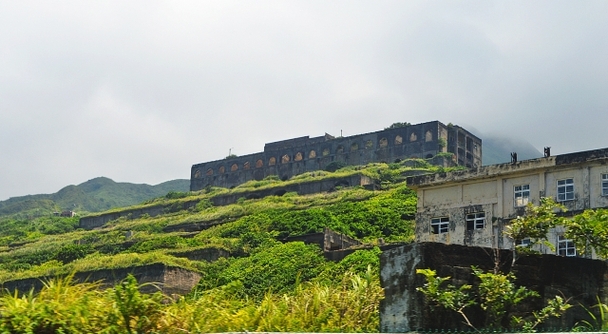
(304, 154)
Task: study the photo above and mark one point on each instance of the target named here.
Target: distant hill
(95, 195)
(498, 150)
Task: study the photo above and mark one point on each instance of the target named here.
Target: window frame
(563, 194)
(521, 191)
(604, 183)
(565, 247)
(476, 220)
(440, 225)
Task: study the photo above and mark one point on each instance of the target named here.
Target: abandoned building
(473, 207)
(304, 154)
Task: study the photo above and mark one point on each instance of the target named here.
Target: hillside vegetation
(95, 195)
(265, 285)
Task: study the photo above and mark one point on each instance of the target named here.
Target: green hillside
(260, 272)
(95, 195)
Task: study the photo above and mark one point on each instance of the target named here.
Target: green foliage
(589, 231)
(536, 223)
(335, 165)
(598, 318)
(495, 294)
(397, 125)
(132, 311)
(276, 269)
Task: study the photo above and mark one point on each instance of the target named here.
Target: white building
(472, 207)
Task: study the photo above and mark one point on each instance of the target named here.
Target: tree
(495, 294)
(536, 223)
(589, 231)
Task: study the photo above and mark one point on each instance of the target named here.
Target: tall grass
(351, 305)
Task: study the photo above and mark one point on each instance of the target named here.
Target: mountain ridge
(94, 195)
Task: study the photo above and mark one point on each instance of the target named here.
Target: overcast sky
(139, 91)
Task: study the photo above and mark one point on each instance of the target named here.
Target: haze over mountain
(98, 194)
(497, 149)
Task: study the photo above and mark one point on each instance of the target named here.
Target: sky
(139, 91)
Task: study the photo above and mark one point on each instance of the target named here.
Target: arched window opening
(298, 157)
(246, 165)
(428, 136)
(340, 149)
(398, 140)
(383, 142)
(413, 137)
(259, 163)
(272, 161)
(312, 154)
(285, 159)
(221, 170)
(325, 152)
(369, 144)
(354, 147)
(234, 168)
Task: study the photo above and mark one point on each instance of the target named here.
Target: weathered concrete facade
(170, 280)
(473, 207)
(404, 309)
(295, 156)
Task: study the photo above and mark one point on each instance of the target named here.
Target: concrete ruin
(304, 154)
(404, 309)
(167, 279)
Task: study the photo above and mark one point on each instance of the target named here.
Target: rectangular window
(522, 195)
(476, 220)
(604, 184)
(525, 242)
(565, 247)
(440, 225)
(565, 190)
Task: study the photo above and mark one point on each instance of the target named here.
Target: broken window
(565, 190)
(440, 225)
(354, 147)
(285, 159)
(209, 172)
(521, 195)
(221, 170)
(246, 165)
(428, 136)
(476, 220)
(234, 168)
(298, 157)
(272, 161)
(413, 137)
(565, 247)
(398, 140)
(312, 154)
(340, 149)
(259, 163)
(604, 184)
(369, 144)
(383, 142)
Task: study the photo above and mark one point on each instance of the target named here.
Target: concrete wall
(491, 190)
(405, 309)
(295, 156)
(170, 280)
(304, 188)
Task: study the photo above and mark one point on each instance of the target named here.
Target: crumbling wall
(295, 156)
(169, 280)
(405, 309)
